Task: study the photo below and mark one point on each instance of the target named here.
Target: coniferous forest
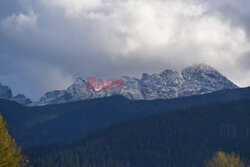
(70, 121)
(205, 130)
(179, 138)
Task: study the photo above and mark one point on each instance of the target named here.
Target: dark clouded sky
(46, 44)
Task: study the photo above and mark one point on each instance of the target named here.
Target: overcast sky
(46, 44)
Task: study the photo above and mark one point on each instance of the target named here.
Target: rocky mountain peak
(201, 78)
(199, 68)
(145, 76)
(5, 92)
(167, 73)
(80, 81)
(77, 87)
(20, 98)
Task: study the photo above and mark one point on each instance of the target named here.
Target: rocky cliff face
(20, 98)
(55, 97)
(6, 93)
(200, 79)
(193, 80)
(78, 90)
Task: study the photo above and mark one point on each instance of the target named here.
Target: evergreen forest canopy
(67, 122)
(186, 137)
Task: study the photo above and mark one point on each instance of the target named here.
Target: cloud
(57, 40)
(237, 12)
(20, 21)
(73, 8)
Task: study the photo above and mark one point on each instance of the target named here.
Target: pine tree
(9, 152)
(221, 159)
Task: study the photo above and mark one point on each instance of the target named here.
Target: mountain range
(193, 80)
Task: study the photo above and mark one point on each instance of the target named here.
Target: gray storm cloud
(45, 44)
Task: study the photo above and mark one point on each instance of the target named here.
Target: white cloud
(74, 8)
(20, 21)
(119, 37)
(171, 32)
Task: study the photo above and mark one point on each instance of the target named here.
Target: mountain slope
(193, 80)
(65, 122)
(174, 139)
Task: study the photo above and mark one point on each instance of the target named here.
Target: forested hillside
(66, 122)
(183, 138)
